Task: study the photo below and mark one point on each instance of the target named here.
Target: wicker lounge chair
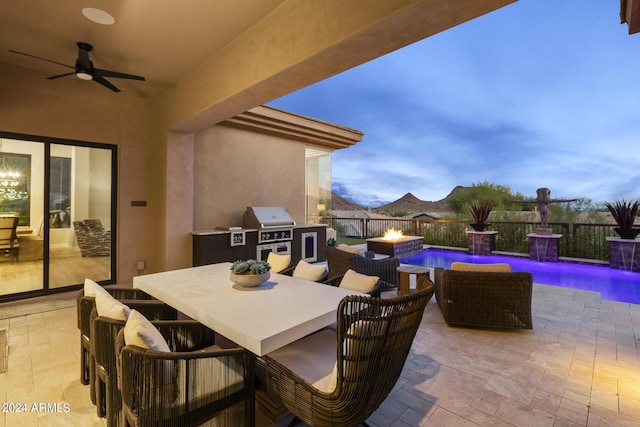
(484, 299)
(189, 385)
(366, 353)
(104, 331)
(340, 261)
(84, 305)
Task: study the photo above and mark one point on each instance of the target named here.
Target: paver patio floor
(579, 366)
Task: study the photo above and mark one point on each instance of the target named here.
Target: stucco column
(178, 223)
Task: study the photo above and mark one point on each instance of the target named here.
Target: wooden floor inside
(67, 267)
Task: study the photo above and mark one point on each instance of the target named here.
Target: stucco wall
(236, 168)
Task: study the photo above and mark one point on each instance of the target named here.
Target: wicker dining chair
(104, 331)
(363, 359)
(189, 385)
(84, 305)
(340, 261)
(484, 299)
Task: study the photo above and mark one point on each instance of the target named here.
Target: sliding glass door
(65, 207)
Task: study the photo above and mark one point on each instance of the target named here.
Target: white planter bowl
(249, 280)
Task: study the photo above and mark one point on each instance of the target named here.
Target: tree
(499, 196)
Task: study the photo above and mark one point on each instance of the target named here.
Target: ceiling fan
(85, 70)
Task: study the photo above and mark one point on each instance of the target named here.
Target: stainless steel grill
(275, 229)
(274, 223)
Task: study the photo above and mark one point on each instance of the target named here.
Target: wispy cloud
(551, 103)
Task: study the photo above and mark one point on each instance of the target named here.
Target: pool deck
(578, 366)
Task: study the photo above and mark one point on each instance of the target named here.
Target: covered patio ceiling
(210, 60)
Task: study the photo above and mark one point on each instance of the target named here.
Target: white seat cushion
(312, 272)
(278, 262)
(313, 358)
(358, 282)
(140, 332)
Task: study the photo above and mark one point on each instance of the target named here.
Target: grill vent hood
(267, 217)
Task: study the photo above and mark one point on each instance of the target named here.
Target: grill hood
(262, 217)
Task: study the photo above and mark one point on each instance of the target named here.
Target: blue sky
(541, 93)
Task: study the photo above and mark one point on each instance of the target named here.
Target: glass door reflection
(79, 215)
(21, 195)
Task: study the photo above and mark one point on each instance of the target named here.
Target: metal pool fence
(579, 240)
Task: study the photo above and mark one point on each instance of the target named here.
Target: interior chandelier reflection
(10, 181)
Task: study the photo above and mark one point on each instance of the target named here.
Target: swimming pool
(615, 285)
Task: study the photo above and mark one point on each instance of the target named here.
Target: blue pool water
(615, 285)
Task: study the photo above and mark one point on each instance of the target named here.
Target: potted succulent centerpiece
(624, 213)
(480, 212)
(250, 273)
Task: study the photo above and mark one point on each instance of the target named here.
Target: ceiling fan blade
(44, 59)
(61, 75)
(104, 82)
(107, 73)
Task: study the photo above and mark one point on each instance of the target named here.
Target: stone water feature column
(544, 247)
(624, 254)
(481, 242)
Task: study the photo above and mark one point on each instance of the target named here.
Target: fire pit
(395, 243)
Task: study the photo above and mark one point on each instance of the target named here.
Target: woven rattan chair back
(374, 339)
(104, 331)
(189, 385)
(84, 306)
(339, 262)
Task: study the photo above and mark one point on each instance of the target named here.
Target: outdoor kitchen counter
(215, 245)
(208, 232)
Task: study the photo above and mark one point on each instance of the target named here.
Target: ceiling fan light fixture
(98, 16)
(84, 76)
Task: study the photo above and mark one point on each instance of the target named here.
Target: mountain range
(407, 203)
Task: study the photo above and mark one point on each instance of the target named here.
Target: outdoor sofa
(484, 299)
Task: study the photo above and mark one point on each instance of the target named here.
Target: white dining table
(261, 319)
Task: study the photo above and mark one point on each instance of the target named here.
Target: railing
(579, 240)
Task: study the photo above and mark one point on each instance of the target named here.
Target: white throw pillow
(108, 306)
(91, 287)
(278, 262)
(358, 282)
(140, 332)
(312, 272)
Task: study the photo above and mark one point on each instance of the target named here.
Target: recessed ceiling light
(98, 16)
